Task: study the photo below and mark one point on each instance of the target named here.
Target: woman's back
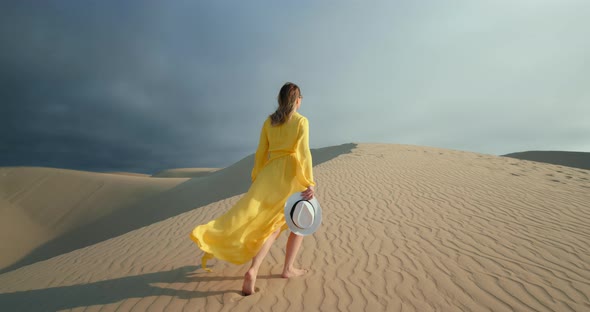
(283, 137)
(289, 139)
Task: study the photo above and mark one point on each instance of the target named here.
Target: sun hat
(303, 216)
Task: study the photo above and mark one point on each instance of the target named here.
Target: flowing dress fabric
(282, 166)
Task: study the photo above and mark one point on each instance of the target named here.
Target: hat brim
(317, 219)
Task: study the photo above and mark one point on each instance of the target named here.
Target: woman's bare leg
(293, 244)
(250, 277)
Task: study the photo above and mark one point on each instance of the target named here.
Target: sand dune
(41, 204)
(571, 159)
(405, 228)
(185, 172)
(129, 173)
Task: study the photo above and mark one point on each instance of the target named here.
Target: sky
(143, 86)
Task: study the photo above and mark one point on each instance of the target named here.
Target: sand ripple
(405, 228)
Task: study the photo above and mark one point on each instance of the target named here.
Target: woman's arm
(304, 152)
(261, 153)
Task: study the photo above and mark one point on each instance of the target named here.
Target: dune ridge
(571, 159)
(405, 227)
(185, 172)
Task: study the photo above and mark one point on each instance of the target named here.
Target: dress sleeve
(261, 153)
(304, 153)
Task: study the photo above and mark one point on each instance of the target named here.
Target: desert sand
(405, 228)
(40, 204)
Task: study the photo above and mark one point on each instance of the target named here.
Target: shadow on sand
(114, 290)
(192, 194)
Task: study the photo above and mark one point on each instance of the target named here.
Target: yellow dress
(282, 166)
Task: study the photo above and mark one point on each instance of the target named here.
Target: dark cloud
(118, 86)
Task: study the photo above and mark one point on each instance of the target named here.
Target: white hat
(303, 216)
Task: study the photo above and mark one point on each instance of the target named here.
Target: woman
(282, 166)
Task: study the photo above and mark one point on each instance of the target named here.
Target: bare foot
(293, 273)
(249, 281)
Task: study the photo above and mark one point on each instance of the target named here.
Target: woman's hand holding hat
(303, 216)
(308, 193)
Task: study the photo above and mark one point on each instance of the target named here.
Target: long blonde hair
(287, 99)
